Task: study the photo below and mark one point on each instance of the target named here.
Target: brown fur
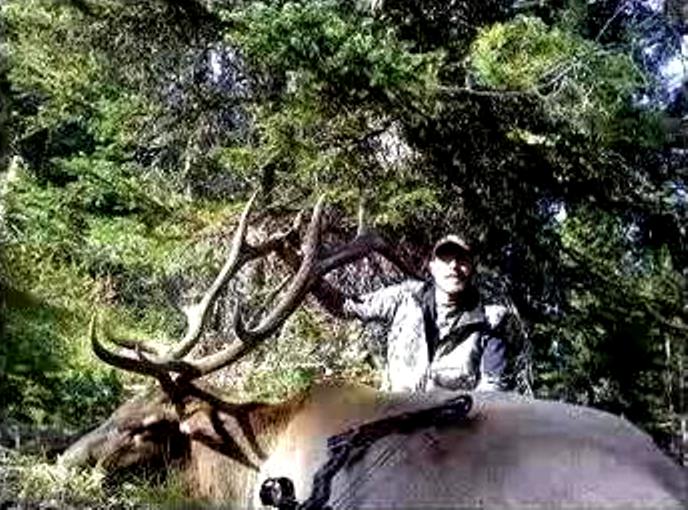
(230, 444)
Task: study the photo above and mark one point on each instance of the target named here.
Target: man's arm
(377, 305)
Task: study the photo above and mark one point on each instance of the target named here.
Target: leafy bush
(66, 259)
(41, 378)
(30, 480)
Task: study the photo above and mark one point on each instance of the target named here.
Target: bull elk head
(159, 427)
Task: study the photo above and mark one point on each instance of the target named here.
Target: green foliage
(343, 79)
(586, 85)
(103, 186)
(67, 247)
(33, 480)
(40, 218)
(612, 340)
(328, 50)
(54, 219)
(42, 378)
(86, 391)
(47, 56)
(401, 202)
(523, 54)
(119, 119)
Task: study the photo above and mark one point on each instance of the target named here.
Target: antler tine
(144, 365)
(141, 365)
(360, 247)
(136, 345)
(197, 314)
(362, 227)
(297, 290)
(218, 360)
(295, 293)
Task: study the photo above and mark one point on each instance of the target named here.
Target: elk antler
(149, 359)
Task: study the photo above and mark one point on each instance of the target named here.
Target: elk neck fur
(229, 442)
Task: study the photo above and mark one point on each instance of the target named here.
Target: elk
(507, 452)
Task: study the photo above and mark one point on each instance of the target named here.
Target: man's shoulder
(406, 290)
(413, 287)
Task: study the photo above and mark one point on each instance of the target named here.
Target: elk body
(510, 452)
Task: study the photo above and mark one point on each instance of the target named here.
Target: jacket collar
(426, 298)
(474, 316)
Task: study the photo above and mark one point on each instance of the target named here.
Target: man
(439, 335)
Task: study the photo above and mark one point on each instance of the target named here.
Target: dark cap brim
(452, 241)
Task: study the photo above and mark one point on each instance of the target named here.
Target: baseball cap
(451, 244)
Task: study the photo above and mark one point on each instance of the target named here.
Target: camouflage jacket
(467, 355)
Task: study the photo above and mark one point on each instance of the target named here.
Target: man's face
(451, 268)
